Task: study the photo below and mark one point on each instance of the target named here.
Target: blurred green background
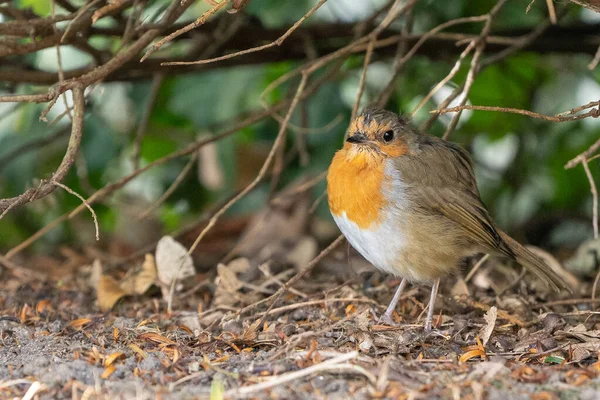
(519, 160)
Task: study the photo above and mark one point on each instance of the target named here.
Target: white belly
(381, 245)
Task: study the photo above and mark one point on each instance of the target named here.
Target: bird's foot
(386, 319)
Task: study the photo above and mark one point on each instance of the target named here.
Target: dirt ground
(322, 340)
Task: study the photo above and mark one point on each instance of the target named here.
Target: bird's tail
(533, 263)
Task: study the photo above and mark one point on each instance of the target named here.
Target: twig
(87, 205)
(447, 79)
(594, 191)
(263, 170)
(294, 279)
(68, 159)
(363, 79)
(17, 269)
(198, 22)
(551, 11)
(172, 188)
(313, 303)
(328, 365)
(594, 63)
(274, 43)
(32, 145)
(583, 156)
(193, 147)
(143, 126)
(474, 68)
(472, 272)
(594, 113)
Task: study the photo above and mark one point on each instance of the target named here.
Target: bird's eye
(388, 135)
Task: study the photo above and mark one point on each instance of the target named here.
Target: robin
(408, 202)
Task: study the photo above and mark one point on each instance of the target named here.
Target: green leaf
(40, 7)
(554, 360)
(217, 389)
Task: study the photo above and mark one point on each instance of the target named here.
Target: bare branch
(64, 167)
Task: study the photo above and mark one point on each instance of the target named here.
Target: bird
(408, 202)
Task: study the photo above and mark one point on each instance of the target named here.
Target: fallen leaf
(217, 389)
(138, 350)
(156, 338)
(227, 279)
(108, 372)
(585, 261)
(79, 323)
(471, 354)
(42, 306)
(172, 261)
(141, 281)
(108, 292)
(239, 265)
(544, 396)
(110, 359)
(490, 322)
(528, 374)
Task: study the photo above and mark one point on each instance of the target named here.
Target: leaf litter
(104, 333)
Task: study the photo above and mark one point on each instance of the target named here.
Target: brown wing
(440, 180)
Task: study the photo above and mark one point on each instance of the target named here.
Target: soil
(322, 341)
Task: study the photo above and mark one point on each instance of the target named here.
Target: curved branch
(67, 162)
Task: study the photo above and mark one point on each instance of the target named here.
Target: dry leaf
(108, 292)
(490, 322)
(173, 261)
(42, 306)
(239, 265)
(108, 372)
(227, 279)
(156, 338)
(141, 281)
(110, 359)
(138, 350)
(80, 322)
(471, 354)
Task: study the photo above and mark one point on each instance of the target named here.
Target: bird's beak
(357, 138)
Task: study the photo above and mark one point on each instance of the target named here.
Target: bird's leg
(434, 290)
(387, 317)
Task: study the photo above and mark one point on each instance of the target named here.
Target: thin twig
(328, 365)
(594, 191)
(551, 11)
(87, 205)
(314, 303)
(274, 43)
(66, 163)
(472, 272)
(198, 22)
(263, 170)
(294, 279)
(143, 126)
(186, 169)
(594, 113)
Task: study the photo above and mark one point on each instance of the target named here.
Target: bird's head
(379, 133)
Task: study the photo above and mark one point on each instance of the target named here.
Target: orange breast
(354, 186)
